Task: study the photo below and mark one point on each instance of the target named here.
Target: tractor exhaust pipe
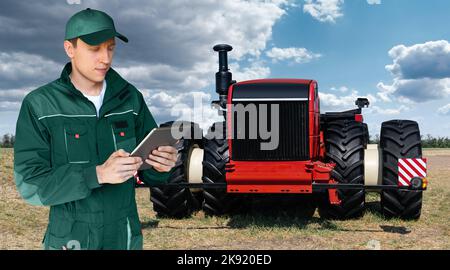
(223, 76)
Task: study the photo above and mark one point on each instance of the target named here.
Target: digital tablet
(157, 137)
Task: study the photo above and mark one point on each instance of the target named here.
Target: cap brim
(102, 36)
(122, 37)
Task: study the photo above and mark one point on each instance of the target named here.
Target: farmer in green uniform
(73, 139)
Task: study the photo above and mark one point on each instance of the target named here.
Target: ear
(68, 47)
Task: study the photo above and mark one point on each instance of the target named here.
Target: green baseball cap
(92, 26)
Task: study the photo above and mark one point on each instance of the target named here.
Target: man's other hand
(163, 159)
(118, 168)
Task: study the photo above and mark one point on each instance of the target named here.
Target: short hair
(74, 41)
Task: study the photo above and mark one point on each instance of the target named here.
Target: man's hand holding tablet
(157, 150)
(163, 159)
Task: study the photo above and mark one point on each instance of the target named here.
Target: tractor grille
(293, 141)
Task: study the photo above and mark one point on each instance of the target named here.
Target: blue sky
(355, 48)
(395, 52)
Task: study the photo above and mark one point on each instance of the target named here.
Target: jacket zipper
(114, 138)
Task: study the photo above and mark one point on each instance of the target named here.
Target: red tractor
(328, 154)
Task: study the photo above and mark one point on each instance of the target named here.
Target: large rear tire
(344, 141)
(399, 139)
(216, 200)
(177, 202)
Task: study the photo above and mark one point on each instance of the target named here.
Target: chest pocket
(77, 143)
(123, 134)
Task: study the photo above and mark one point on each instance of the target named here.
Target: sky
(394, 52)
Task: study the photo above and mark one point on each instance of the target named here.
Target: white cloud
(385, 91)
(182, 35)
(341, 89)
(23, 69)
(414, 91)
(256, 70)
(426, 60)
(170, 41)
(444, 110)
(10, 105)
(190, 106)
(189, 29)
(373, 2)
(341, 102)
(419, 90)
(421, 73)
(298, 55)
(169, 77)
(73, 2)
(169, 55)
(178, 104)
(14, 94)
(21, 66)
(329, 101)
(324, 10)
(180, 80)
(387, 111)
(11, 99)
(11, 26)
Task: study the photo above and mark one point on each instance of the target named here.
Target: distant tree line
(432, 142)
(428, 141)
(8, 141)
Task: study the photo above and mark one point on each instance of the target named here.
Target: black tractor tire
(399, 139)
(216, 200)
(366, 135)
(344, 142)
(177, 202)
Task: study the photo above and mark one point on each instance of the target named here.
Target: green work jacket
(60, 140)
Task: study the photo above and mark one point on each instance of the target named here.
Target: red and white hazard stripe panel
(138, 180)
(408, 168)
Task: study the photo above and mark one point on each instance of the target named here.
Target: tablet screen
(157, 137)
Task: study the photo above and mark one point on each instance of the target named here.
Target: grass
(282, 227)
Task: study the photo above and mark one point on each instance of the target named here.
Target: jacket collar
(115, 83)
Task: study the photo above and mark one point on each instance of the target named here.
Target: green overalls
(60, 141)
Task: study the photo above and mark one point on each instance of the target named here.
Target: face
(92, 62)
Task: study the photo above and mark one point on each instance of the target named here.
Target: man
(73, 139)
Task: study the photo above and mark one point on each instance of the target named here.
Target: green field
(283, 227)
